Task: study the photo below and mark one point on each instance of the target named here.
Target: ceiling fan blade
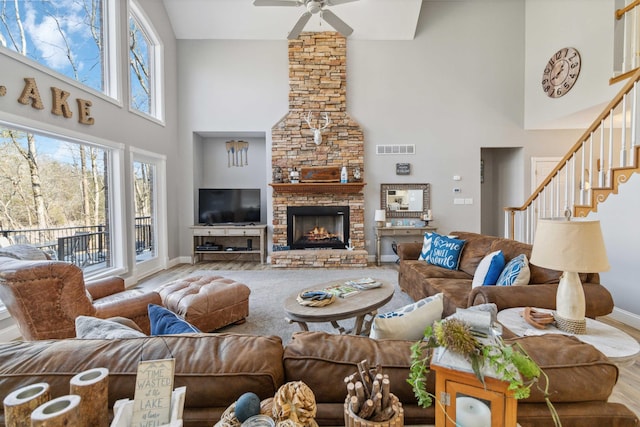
(337, 23)
(276, 3)
(297, 29)
(336, 2)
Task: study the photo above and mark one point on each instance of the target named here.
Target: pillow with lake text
(445, 252)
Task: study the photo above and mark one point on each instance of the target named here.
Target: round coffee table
(359, 306)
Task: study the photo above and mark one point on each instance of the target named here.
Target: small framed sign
(403, 168)
(152, 396)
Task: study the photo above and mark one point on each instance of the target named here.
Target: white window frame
(160, 231)
(156, 60)
(116, 184)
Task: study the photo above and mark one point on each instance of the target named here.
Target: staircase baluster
(634, 125)
(601, 160)
(623, 145)
(610, 163)
(572, 200)
(583, 184)
(590, 168)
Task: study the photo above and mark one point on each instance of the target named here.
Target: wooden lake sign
(152, 397)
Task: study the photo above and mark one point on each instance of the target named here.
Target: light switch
(458, 201)
(468, 201)
(456, 177)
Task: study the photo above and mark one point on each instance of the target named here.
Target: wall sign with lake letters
(59, 101)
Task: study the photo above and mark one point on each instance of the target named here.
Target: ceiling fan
(313, 7)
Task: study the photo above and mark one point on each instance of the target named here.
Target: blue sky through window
(64, 35)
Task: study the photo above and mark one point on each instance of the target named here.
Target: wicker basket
(352, 420)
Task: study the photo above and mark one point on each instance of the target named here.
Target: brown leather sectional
(218, 368)
(419, 279)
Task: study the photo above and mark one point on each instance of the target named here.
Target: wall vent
(396, 149)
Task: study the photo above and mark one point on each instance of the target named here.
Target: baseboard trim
(625, 317)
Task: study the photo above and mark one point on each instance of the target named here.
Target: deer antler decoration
(317, 132)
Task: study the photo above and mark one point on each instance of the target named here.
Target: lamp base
(572, 326)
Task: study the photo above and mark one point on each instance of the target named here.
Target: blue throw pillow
(426, 246)
(515, 273)
(488, 270)
(445, 252)
(166, 322)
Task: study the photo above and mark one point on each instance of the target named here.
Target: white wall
(217, 174)
(619, 221)
(588, 26)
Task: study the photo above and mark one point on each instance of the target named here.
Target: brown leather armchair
(45, 297)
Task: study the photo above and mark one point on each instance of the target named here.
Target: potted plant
(509, 361)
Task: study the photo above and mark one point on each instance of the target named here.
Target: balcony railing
(84, 245)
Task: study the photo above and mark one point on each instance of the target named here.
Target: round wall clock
(561, 72)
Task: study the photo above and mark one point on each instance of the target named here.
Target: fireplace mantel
(319, 187)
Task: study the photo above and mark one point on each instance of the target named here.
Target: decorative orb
(247, 406)
(472, 412)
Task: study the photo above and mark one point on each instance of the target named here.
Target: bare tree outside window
(139, 65)
(64, 35)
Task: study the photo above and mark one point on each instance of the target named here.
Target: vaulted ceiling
(240, 19)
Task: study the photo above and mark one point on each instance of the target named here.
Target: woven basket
(352, 420)
(315, 303)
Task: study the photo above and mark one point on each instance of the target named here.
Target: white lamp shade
(380, 215)
(573, 246)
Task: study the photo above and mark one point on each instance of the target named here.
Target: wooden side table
(398, 231)
(464, 400)
(620, 347)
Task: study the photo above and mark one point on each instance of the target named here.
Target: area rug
(269, 289)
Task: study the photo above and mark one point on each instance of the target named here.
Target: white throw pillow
(408, 322)
(488, 270)
(88, 327)
(515, 273)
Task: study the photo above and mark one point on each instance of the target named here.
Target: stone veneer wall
(317, 80)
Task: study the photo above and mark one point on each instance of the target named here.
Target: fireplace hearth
(317, 227)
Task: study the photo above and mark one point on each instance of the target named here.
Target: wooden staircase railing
(604, 156)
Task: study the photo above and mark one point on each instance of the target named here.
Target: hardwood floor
(626, 391)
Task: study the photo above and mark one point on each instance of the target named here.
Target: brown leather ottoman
(207, 302)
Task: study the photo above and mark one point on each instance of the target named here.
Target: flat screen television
(228, 205)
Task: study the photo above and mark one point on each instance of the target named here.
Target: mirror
(405, 200)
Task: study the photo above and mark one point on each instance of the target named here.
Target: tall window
(55, 195)
(144, 68)
(65, 36)
(145, 210)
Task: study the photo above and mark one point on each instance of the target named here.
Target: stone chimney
(318, 80)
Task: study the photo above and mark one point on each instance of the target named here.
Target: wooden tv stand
(229, 236)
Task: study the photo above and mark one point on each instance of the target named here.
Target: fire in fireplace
(317, 227)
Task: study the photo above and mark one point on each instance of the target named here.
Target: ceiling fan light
(314, 6)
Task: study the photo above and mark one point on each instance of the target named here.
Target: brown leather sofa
(420, 279)
(218, 368)
(45, 297)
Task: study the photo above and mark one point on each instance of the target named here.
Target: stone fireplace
(317, 81)
(318, 227)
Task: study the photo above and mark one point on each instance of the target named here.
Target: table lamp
(380, 217)
(572, 247)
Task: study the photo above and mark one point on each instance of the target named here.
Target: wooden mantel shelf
(319, 187)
